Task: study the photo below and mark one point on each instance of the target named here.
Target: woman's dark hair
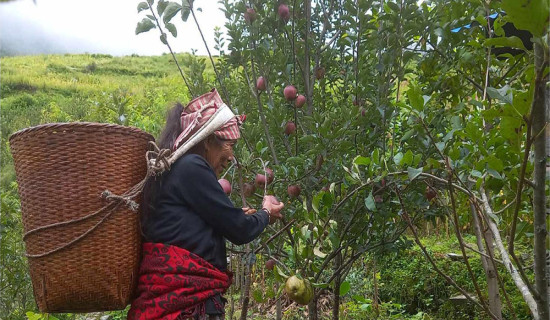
(166, 140)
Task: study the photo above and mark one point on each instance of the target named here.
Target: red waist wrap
(174, 284)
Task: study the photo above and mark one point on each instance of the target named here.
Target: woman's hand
(249, 211)
(273, 207)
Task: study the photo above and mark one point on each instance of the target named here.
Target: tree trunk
(279, 306)
(375, 299)
(308, 83)
(495, 304)
(245, 294)
(337, 281)
(539, 196)
(312, 307)
(522, 287)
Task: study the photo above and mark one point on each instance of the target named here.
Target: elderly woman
(187, 217)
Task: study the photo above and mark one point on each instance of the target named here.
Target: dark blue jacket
(190, 210)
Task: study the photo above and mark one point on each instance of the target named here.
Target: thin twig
(227, 101)
(171, 51)
(256, 94)
(283, 229)
(461, 240)
(481, 253)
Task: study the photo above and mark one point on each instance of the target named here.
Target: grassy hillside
(129, 90)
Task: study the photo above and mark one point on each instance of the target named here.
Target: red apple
(250, 15)
(320, 73)
(293, 191)
(290, 128)
(248, 189)
(270, 175)
(260, 84)
(300, 101)
(430, 193)
(290, 93)
(363, 112)
(378, 198)
(325, 189)
(270, 264)
(284, 13)
(226, 185)
(260, 180)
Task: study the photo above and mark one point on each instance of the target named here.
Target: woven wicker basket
(62, 169)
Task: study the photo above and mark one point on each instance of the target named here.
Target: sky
(98, 26)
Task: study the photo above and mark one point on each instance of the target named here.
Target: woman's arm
(196, 183)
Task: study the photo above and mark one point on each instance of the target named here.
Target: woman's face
(219, 154)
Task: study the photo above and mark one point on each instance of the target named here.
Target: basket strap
(80, 237)
(115, 202)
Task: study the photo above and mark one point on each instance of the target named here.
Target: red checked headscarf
(197, 113)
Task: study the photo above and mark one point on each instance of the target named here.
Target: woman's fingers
(278, 207)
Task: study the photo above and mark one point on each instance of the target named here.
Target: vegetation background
(403, 107)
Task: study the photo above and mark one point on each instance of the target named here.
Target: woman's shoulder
(192, 159)
(192, 164)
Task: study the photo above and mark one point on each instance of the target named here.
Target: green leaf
(426, 99)
(280, 272)
(393, 6)
(369, 202)
(512, 41)
(318, 253)
(413, 173)
(315, 202)
(494, 174)
(503, 94)
(258, 296)
(328, 200)
(161, 6)
(531, 15)
(163, 38)
(408, 134)
(33, 316)
(415, 97)
(475, 173)
(509, 127)
(172, 28)
(171, 10)
(344, 288)
(186, 9)
(397, 158)
(319, 285)
(522, 101)
(495, 163)
(376, 156)
(305, 231)
(142, 6)
(144, 26)
(361, 161)
(407, 158)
